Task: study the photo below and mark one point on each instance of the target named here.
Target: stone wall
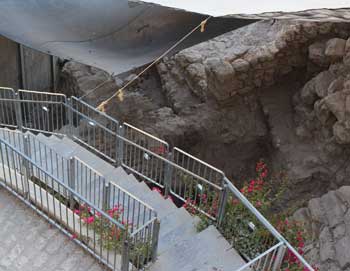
(327, 220)
(236, 63)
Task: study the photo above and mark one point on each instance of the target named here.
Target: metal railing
(93, 230)
(138, 219)
(41, 111)
(93, 129)
(179, 174)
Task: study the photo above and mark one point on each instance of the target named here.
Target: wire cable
(201, 26)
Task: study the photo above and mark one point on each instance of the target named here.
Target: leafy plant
(243, 230)
(112, 237)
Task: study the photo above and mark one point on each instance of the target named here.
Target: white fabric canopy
(229, 7)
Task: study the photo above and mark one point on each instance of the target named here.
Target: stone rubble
(327, 220)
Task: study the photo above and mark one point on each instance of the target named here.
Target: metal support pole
(279, 258)
(27, 169)
(18, 108)
(168, 175)
(71, 180)
(125, 256)
(155, 239)
(106, 196)
(222, 205)
(120, 146)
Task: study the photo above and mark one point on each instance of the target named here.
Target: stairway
(180, 247)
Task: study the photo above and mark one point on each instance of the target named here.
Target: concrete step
(174, 220)
(88, 157)
(63, 149)
(179, 227)
(121, 178)
(207, 250)
(48, 140)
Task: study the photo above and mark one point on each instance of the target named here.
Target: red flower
(74, 236)
(77, 212)
(89, 220)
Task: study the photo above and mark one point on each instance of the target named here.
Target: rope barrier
(201, 26)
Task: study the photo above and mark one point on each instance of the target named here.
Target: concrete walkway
(28, 242)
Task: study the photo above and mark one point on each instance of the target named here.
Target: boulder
(341, 133)
(335, 49)
(321, 111)
(308, 94)
(322, 82)
(342, 248)
(336, 104)
(326, 249)
(336, 85)
(240, 65)
(317, 54)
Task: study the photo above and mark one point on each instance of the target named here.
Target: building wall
(9, 64)
(22, 67)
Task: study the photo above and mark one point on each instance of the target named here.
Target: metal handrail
(267, 252)
(198, 160)
(170, 162)
(226, 182)
(70, 190)
(146, 134)
(135, 198)
(265, 222)
(144, 226)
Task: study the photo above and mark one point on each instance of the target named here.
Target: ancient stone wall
(233, 64)
(327, 220)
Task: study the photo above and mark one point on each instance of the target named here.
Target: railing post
(119, 146)
(155, 238)
(222, 205)
(27, 170)
(279, 258)
(106, 196)
(71, 180)
(168, 175)
(18, 108)
(69, 115)
(125, 256)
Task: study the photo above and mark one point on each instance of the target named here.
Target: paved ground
(28, 242)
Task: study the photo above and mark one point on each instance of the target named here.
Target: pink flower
(89, 219)
(74, 236)
(77, 212)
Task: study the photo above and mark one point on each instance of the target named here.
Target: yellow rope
(202, 25)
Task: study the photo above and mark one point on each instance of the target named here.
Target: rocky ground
(277, 90)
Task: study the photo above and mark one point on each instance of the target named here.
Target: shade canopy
(118, 35)
(114, 35)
